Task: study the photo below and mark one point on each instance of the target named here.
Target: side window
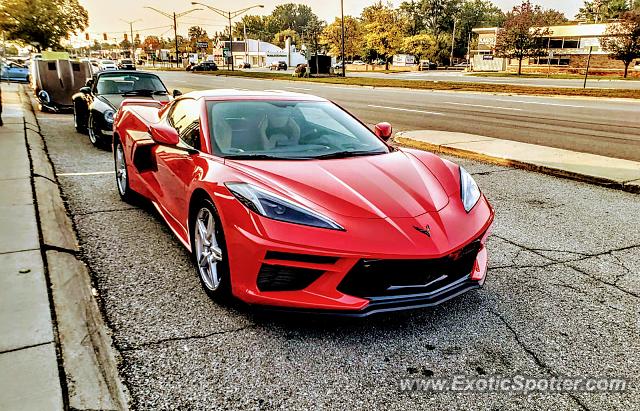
(185, 118)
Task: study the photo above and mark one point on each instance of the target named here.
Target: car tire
(209, 251)
(77, 121)
(122, 174)
(94, 136)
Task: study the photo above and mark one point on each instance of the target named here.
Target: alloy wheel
(121, 170)
(92, 133)
(208, 252)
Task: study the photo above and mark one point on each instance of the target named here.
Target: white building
(260, 53)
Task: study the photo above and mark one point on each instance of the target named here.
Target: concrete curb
(609, 172)
(89, 358)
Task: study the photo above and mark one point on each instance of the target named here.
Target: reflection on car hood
(114, 100)
(391, 185)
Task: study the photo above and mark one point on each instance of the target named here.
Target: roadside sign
(226, 52)
(487, 57)
(202, 44)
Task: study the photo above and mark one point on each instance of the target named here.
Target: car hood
(115, 100)
(392, 185)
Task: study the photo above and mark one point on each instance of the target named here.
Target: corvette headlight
(469, 190)
(108, 116)
(273, 206)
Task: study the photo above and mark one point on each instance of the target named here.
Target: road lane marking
(540, 103)
(407, 109)
(299, 88)
(93, 173)
(483, 106)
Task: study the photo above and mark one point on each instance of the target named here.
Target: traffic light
(125, 37)
(86, 36)
(104, 36)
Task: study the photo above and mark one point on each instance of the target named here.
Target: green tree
(521, 35)
(255, 26)
(280, 38)
(420, 45)
(42, 23)
(473, 14)
(196, 33)
(622, 39)
(331, 37)
(603, 10)
(382, 31)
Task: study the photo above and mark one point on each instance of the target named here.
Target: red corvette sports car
(287, 200)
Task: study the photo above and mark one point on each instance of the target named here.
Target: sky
(108, 16)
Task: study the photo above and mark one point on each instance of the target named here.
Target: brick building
(568, 50)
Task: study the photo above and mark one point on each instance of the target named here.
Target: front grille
(283, 278)
(379, 278)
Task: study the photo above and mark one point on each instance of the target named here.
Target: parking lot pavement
(561, 299)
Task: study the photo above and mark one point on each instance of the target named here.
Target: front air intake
(283, 278)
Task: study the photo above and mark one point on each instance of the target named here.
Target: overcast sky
(105, 16)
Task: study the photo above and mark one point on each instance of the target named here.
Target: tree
(196, 33)
(420, 45)
(279, 39)
(521, 35)
(473, 14)
(622, 39)
(382, 31)
(552, 17)
(603, 10)
(42, 23)
(255, 28)
(151, 43)
(332, 37)
(311, 39)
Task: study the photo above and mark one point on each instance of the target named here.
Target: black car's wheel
(78, 122)
(122, 175)
(209, 251)
(94, 135)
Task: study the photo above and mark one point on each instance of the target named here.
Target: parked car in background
(463, 64)
(126, 64)
(260, 188)
(107, 65)
(278, 65)
(359, 63)
(13, 71)
(427, 65)
(96, 103)
(244, 65)
(204, 66)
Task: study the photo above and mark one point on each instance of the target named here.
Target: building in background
(568, 48)
(258, 53)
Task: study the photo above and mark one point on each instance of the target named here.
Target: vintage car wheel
(209, 251)
(122, 176)
(77, 122)
(94, 136)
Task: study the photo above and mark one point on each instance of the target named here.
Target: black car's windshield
(130, 84)
(288, 130)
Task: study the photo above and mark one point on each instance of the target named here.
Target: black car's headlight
(108, 116)
(273, 206)
(469, 190)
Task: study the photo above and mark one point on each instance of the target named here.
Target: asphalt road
(561, 299)
(598, 126)
(463, 77)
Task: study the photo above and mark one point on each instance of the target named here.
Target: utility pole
(229, 15)
(344, 70)
(453, 43)
(174, 16)
(586, 75)
(130, 23)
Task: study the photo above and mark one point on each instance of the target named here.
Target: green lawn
(554, 76)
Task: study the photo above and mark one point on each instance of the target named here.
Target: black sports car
(96, 103)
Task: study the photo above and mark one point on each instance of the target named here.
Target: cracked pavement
(561, 299)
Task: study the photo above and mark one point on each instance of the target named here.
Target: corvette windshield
(130, 84)
(288, 130)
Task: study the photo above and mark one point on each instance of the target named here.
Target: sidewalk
(592, 168)
(56, 351)
(29, 374)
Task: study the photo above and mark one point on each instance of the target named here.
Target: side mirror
(89, 83)
(176, 93)
(383, 130)
(85, 90)
(162, 133)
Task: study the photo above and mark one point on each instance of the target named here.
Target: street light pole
(453, 43)
(130, 23)
(175, 18)
(344, 71)
(229, 15)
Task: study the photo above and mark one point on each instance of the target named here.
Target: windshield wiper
(254, 157)
(346, 154)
